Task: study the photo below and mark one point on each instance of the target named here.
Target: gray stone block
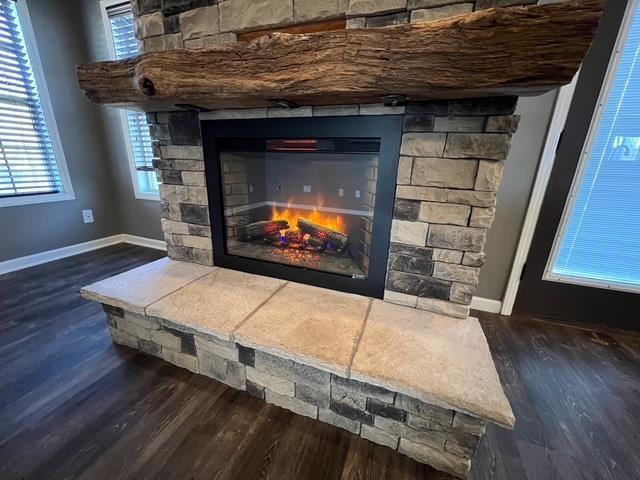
(406, 210)
(400, 298)
(147, 6)
(492, 146)
(405, 165)
(443, 307)
(291, 370)
(437, 414)
(241, 15)
(456, 273)
(196, 214)
(246, 355)
(418, 285)
(471, 197)
(212, 40)
(279, 385)
(180, 359)
(196, 179)
(468, 424)
(462, 293)
(482, 217)
(430, 14)
(113, 311)
(200, 22)
(502, 124)
(200, 230)
(410, 264)
(399, 18)
(182, 152)
(313, 396)
(380, 109)
(444, 213)
(344, 395)
(291, 403)
(418, 123)
(414, 4)
(174, 7)
(378, 436)
(312, 10)
(472, 259)
(409, 250)
(457, 238)
(172, 24)
(149, 348)
(335, 110)
(162, 43)
(443, 172)
(364, 389)
(409, 233)
(404, 431)
(149, 25)
(383, 409)
(489, 175)
(411, 192)
(441, 460)
(332, 418)
(348, 411)
(123, 338)
(447, 256)
(423, 144)
(369, 7)
(226, 350)
(169, 177)
(255, 390)
(223, 370)
(184, 128)
(459, 124)
(482, 106)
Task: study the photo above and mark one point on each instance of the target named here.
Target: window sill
(35, 199)
(148, 196)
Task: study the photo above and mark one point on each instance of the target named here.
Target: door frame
(563, 107)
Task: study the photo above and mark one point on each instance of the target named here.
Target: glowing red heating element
(293, 145)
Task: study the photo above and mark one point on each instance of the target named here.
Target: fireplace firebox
(304, 199)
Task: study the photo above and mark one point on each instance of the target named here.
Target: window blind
(27, 161)
(125, 46)
(601, 240)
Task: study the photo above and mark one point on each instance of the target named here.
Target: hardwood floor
(74, 405)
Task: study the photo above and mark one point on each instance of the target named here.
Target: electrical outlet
(87, 216)
(341, 192)
(357, 193)
(250, 188)
(306, 188)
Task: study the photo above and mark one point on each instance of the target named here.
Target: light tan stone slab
(310, 325)
(438, 359)
(136, 289)
(217, 303)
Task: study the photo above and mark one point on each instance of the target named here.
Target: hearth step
(415, 381)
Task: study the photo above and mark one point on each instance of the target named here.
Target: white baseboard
(144, 242)
(49, 256)
(486, 304)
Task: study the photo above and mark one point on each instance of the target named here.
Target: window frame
(47, 109)
(594, 128)
(122, 114)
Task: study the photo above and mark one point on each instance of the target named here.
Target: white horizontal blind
(126, 45)
(27, 161)
(600, 243)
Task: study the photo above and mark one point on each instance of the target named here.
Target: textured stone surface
(217, 303)
(321, 329)
(502, 124)
(406, 210)
(335, 111)
(212, 40)
(459, 124)
(418, 123)
(200, 22)
(436, 457)
(150, 25)
(271, 382)
(412, 192)
(239, 15)
(163, 42)
(489, 175)
(332, 418)
(287, 368)
(404, 349)
(152, 282)
(447, 256)
(456, 273)
(474, 259)
(430, 14)
(445, 213)
(388, 20)
(493, 146)
(400, 298)
(423, 144)
(443, 307)
(457, 238)
(311, 10)
(366, 7)
(404, 170)
(418, 285)
(442, 172)
(380, 437)
(482, 217)
(462, 293)
(291, 403)
(411, 233)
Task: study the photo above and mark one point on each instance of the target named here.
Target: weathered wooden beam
(502, 51)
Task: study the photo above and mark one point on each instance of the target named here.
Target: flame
(329, 220)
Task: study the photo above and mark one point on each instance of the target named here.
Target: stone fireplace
(364, 213)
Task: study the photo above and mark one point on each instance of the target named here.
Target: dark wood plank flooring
(74, 405)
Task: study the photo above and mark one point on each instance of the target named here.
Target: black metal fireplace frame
(388, 128)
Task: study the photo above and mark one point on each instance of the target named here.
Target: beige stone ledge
(435, 358)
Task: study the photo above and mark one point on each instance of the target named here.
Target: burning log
(264, 229)
(338, 240)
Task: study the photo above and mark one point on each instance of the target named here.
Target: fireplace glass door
(310, 203)
(306, 203)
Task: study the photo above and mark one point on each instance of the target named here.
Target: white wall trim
(561, 110)
(49, 256)
(486, 304)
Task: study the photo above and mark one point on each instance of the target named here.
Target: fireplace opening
(304, 199)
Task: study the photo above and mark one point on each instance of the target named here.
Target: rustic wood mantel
(503, 51)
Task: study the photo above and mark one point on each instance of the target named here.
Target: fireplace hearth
(304, 199)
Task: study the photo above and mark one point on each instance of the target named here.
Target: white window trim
(582, 165)
(122, 114)
(38, 75)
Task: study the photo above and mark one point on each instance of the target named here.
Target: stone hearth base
(415, 381)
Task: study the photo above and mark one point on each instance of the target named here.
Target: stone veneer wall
(451, 158)
(443, 438)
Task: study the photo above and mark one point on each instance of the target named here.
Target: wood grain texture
(74, 405)
(502, 51)
(312, 27)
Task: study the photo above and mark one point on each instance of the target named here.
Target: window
(121, 30)
(32, 167)
(599, 238)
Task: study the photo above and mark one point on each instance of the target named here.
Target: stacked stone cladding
(444, 438)
(450, 165)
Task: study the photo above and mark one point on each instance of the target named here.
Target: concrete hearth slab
(310, 325)
(217, 303)
(136, 289)
(438, 359)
